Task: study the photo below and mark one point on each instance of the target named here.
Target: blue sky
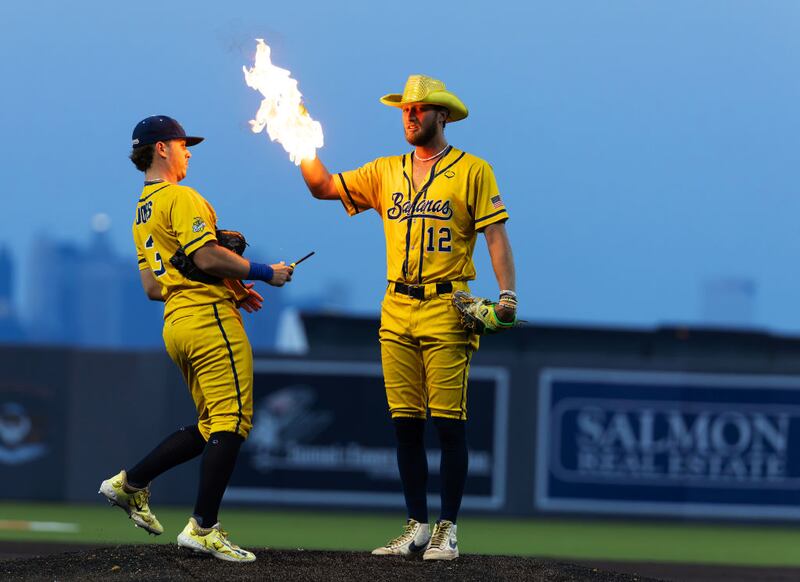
(642, 148)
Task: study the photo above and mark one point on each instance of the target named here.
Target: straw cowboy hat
(422, 89)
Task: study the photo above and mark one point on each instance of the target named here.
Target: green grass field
(567, 539)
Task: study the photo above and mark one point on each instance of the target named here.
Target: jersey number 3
(148, 244)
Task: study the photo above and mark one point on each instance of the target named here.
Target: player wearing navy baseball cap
(212, 351)
(158, 128)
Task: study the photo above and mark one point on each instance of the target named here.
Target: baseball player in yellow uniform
(203, 334)
(433, 201)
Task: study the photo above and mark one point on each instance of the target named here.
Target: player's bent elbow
(155, 294)
(320, 193)
(151, 285)
(323, 193)
(153, 290)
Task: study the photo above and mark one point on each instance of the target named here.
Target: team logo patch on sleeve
(496, 202)
(198, 224)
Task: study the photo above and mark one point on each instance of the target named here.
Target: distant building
(10, 329)
(89, 297)
(729, 302)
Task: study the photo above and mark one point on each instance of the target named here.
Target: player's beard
(424, 136)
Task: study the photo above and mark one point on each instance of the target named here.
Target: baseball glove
(230, 239)
(478, 315)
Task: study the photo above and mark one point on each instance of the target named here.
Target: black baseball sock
(181, 446)
(454, 464)
(219, 459)
(413, 465)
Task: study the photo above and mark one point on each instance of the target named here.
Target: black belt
(418, 291)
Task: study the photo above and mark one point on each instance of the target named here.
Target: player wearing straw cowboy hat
(433, 202)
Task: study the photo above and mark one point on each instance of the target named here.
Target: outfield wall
(673, 422)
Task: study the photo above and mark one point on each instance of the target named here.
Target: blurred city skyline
(646, 151)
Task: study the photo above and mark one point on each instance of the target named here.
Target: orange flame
(282, 111)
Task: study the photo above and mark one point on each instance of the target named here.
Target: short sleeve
(359, 189)
(141, 259)
(193, 220)
(489, 207)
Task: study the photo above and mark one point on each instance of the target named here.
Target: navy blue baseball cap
(160, 128)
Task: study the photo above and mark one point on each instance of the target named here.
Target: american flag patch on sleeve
(496, 202)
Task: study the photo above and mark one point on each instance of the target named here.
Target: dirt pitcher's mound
(168, 562)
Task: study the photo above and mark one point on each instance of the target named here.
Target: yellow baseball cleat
(443, 544)
(214, 541)
(134, 502)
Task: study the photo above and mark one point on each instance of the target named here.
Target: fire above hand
(282, 111)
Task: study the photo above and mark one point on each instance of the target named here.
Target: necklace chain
(419, 159)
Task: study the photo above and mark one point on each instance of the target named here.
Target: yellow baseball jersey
(169, 216)
(430, 233)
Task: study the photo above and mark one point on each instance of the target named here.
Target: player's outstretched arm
(152, 287)
(220, 262)
(503, 264)
(318, 179)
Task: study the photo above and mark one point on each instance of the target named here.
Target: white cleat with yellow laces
(411, 543)
(443, 544)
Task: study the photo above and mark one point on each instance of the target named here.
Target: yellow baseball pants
(209, 345)
(425, 353)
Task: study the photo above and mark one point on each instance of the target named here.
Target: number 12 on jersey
(148, 244)
(443, 236)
